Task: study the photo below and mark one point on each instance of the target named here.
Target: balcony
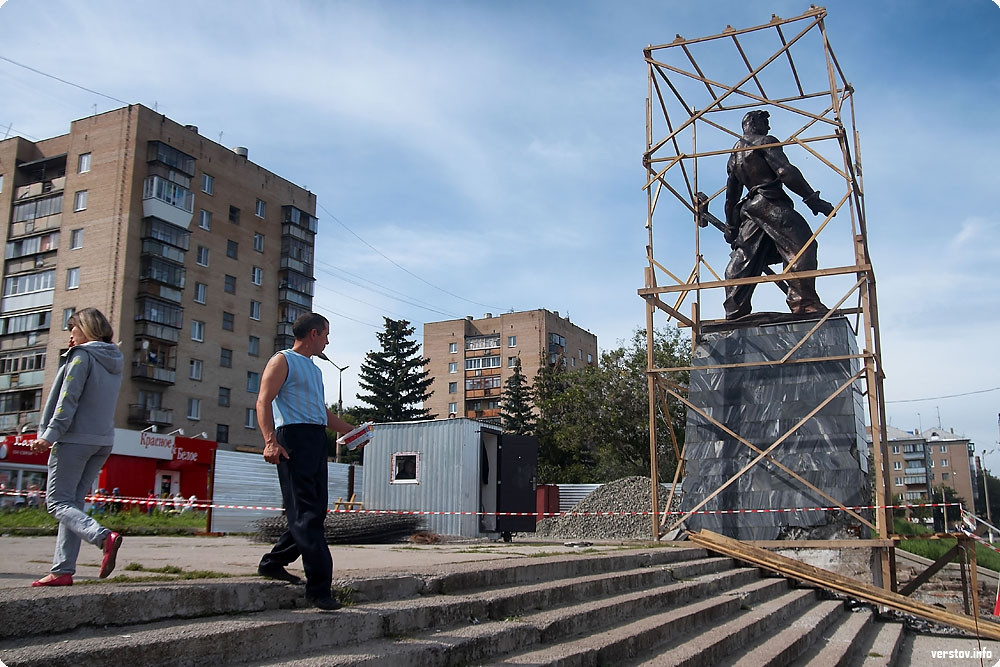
(303, 300)
(305, 268)
(22, 379)
(157, 331)
(167, 201)
(153, 373)
(12, 422)
(140, 414)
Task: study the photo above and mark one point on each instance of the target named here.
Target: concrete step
(781, 646)
(734, 637)
(478, 640)
(362, 622)
(662, 606)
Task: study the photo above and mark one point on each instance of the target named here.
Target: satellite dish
(145, 344)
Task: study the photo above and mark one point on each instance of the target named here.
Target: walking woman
(77, 424)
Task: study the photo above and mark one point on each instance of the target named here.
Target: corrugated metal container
(241, 478)
(449, 466)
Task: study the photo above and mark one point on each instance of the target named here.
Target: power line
(403, 268)
(68, 83)
(938, 398)
(402, 297)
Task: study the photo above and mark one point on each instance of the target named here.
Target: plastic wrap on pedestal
(762, 404)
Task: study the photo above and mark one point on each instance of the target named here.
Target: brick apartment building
(200, 258)
(471, 359)
(921, 462)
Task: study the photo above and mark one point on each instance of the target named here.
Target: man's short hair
(755, 119)
(308, 322)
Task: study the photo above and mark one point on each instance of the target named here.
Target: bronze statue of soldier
(763, 227)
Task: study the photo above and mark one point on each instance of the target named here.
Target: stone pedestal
(761, 403)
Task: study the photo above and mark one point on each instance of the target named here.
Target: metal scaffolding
(698, 91)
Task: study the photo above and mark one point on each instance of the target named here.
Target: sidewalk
(24, 559)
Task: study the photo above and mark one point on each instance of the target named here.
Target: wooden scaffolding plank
(790, 567)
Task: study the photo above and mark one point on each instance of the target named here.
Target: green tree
(593, 425)
(394, 376)
(515, 404)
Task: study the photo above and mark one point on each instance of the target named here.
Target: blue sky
(473, 157)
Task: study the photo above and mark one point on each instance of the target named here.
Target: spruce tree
(394, 377)
(515, 404)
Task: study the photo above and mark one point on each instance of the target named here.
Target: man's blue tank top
(300, 399)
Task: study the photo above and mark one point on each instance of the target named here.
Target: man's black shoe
(328, 603)
(279, 573)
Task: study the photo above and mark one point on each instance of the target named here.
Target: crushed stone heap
(629, 498)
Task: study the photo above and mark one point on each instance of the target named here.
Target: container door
(516, 484)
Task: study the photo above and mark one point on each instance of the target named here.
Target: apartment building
(922, 462)
(200, 258)
(471, 359)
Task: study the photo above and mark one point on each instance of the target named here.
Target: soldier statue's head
(755, 122)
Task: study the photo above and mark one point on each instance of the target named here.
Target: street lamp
(340, 389)
(986, 489)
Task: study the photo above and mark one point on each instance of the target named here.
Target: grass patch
(165, 573)
(32, 521)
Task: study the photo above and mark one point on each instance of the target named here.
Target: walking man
(293, 418)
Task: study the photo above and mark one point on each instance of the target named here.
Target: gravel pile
(349, 528)
(630, 501)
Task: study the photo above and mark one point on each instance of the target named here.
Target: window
(227, 321)
(253, 346)
(476, 363)
(226, 358)
(511, 362)
(224, 396)
(260, 210)
(254, 310)
(944, 463)
(251, 418)
(258, 242)
(896, 465)
(83, 163)
(452, 348)
(453, 408)
(67, 313)
(205, 219)
(234, 215)
(511, 341)
(194, 408)
(80, 200)
(895, 449)
(232, 249)
(200, 292)
(899, 481)
(73, 278)
(76, 239)
(1, 182)
(207, 184)
(945, 477)
(253, 382)
(590, 358)
(453, 367)
(230, 284)
(943, 449)
(194, 369)
(452, 387)
(201, 256)
(405, 468)
(32, 282)
(222, 433)
(197, 330)
(256, 275)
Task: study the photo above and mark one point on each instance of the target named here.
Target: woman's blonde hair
(93, 324)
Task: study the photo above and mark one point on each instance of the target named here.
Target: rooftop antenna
(938, 408)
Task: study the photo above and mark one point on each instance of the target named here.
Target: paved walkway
(24, 559)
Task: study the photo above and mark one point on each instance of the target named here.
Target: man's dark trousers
(303, 479)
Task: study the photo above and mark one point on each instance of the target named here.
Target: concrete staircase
(660, 606)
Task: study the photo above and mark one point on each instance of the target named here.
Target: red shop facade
(140, 462)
